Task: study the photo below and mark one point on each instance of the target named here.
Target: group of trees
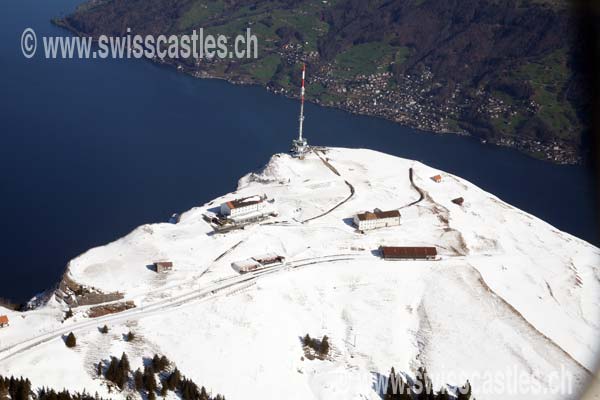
(420, 389)
(51, 394)
(160, 363)
(20, 389)
(17, 388)
(320, 347)
(117, 371)
(157, 371)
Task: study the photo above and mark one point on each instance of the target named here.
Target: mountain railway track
(205, 293)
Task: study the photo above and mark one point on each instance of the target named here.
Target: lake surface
(91, 149)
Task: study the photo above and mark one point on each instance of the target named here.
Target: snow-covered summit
(509, 292)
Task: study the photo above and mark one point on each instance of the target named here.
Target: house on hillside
(376, 219)
(243, 206)
(258, 262)
(436, 178)
(3, 321)
(163, 266)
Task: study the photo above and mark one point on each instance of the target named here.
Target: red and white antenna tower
(302, 102)
(300, 145)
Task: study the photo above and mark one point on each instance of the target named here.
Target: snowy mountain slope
(510, 292)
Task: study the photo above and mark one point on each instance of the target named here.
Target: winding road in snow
(335, 171)
(418, 189)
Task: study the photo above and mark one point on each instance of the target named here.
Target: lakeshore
(94, 148)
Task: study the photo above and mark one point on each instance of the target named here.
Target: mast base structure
(300, 146)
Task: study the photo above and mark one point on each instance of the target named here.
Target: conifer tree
(203, 394)
(124, 363)
(164, 363)
(138, 380)
(324, 346)
(149, 379)
(164, 389)
(306, 341)
(71, 340)
(121, 378)
(174, 380)
(112, 371)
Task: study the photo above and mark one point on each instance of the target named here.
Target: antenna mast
(302, 103)
(300, 145)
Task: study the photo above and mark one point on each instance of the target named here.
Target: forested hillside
(506, 71)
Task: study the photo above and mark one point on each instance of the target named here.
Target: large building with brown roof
(408, 253)
(376, 219)
(243, 206)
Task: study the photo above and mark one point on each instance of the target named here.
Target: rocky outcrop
(75, 295)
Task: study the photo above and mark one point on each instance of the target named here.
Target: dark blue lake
(91, 149)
